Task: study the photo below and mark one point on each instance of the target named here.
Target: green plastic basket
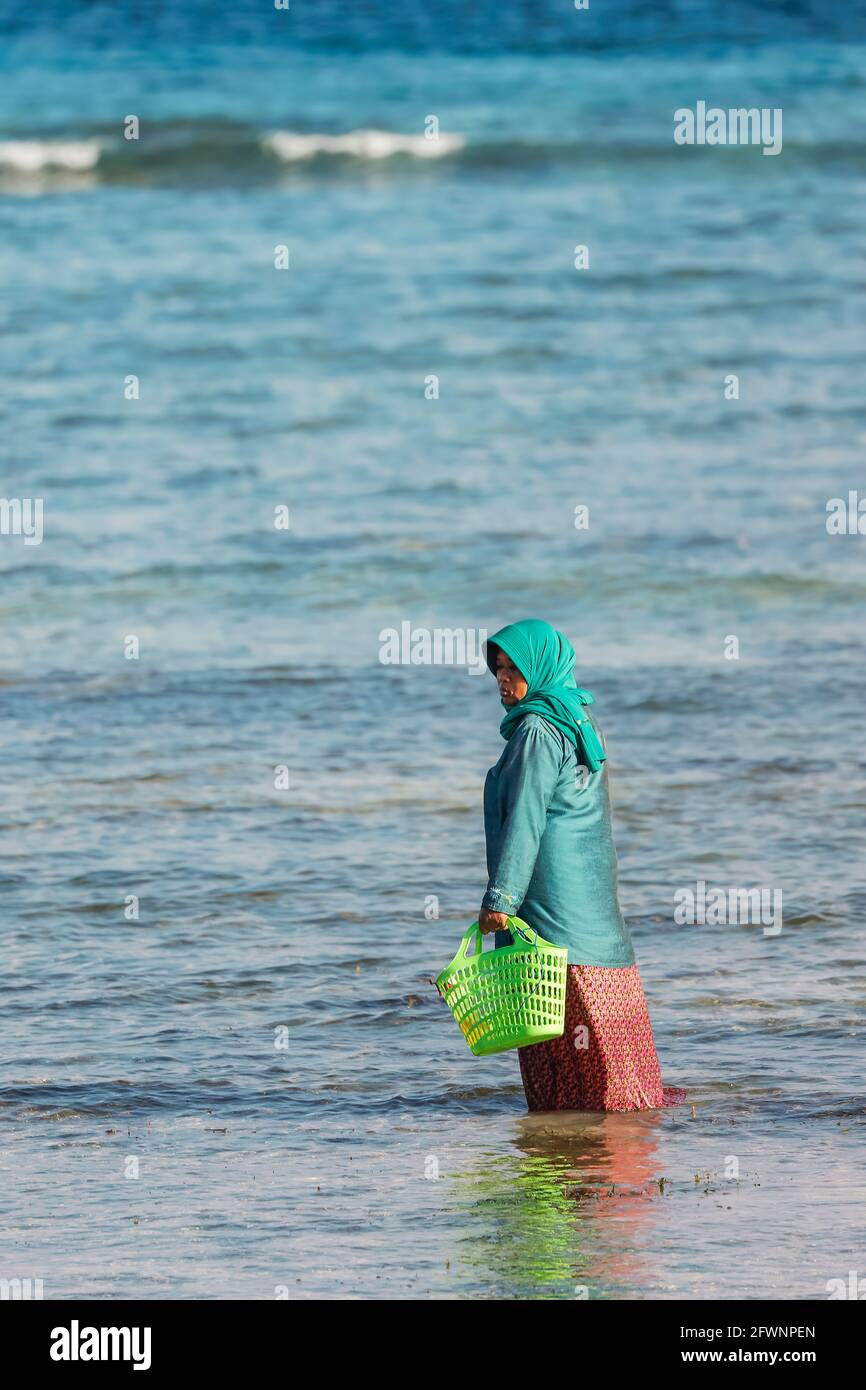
(510, 997)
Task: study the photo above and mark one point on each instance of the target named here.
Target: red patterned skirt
(606, 1058)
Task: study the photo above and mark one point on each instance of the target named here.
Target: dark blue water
(313, 1166)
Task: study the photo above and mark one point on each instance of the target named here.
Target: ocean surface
(225, 1072)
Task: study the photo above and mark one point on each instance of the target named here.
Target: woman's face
(512, 686)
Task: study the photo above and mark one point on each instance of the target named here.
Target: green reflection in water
(561, 1213)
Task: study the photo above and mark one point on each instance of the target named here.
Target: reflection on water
(561, 1215)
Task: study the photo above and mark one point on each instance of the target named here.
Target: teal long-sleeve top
(550, 853)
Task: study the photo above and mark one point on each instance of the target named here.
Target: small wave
(191, 154)
(32, 156)
(359, 144)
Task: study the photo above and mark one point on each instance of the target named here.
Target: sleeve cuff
(497, 901)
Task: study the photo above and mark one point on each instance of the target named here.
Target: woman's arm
(527, 780)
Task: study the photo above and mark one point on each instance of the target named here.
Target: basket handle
(514, 925)
(518, 927)
(475, 931)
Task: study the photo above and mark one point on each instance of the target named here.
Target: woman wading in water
(551, 861)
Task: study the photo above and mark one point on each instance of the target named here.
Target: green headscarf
(545, 659)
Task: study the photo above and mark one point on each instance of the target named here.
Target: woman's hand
(492, 921)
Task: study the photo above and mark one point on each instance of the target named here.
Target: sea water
(236, 844)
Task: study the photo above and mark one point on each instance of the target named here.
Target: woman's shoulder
(535, 726)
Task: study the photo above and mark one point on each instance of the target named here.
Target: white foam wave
(31, 156)
(362, 144)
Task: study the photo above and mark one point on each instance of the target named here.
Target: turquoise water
(314, 1167)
